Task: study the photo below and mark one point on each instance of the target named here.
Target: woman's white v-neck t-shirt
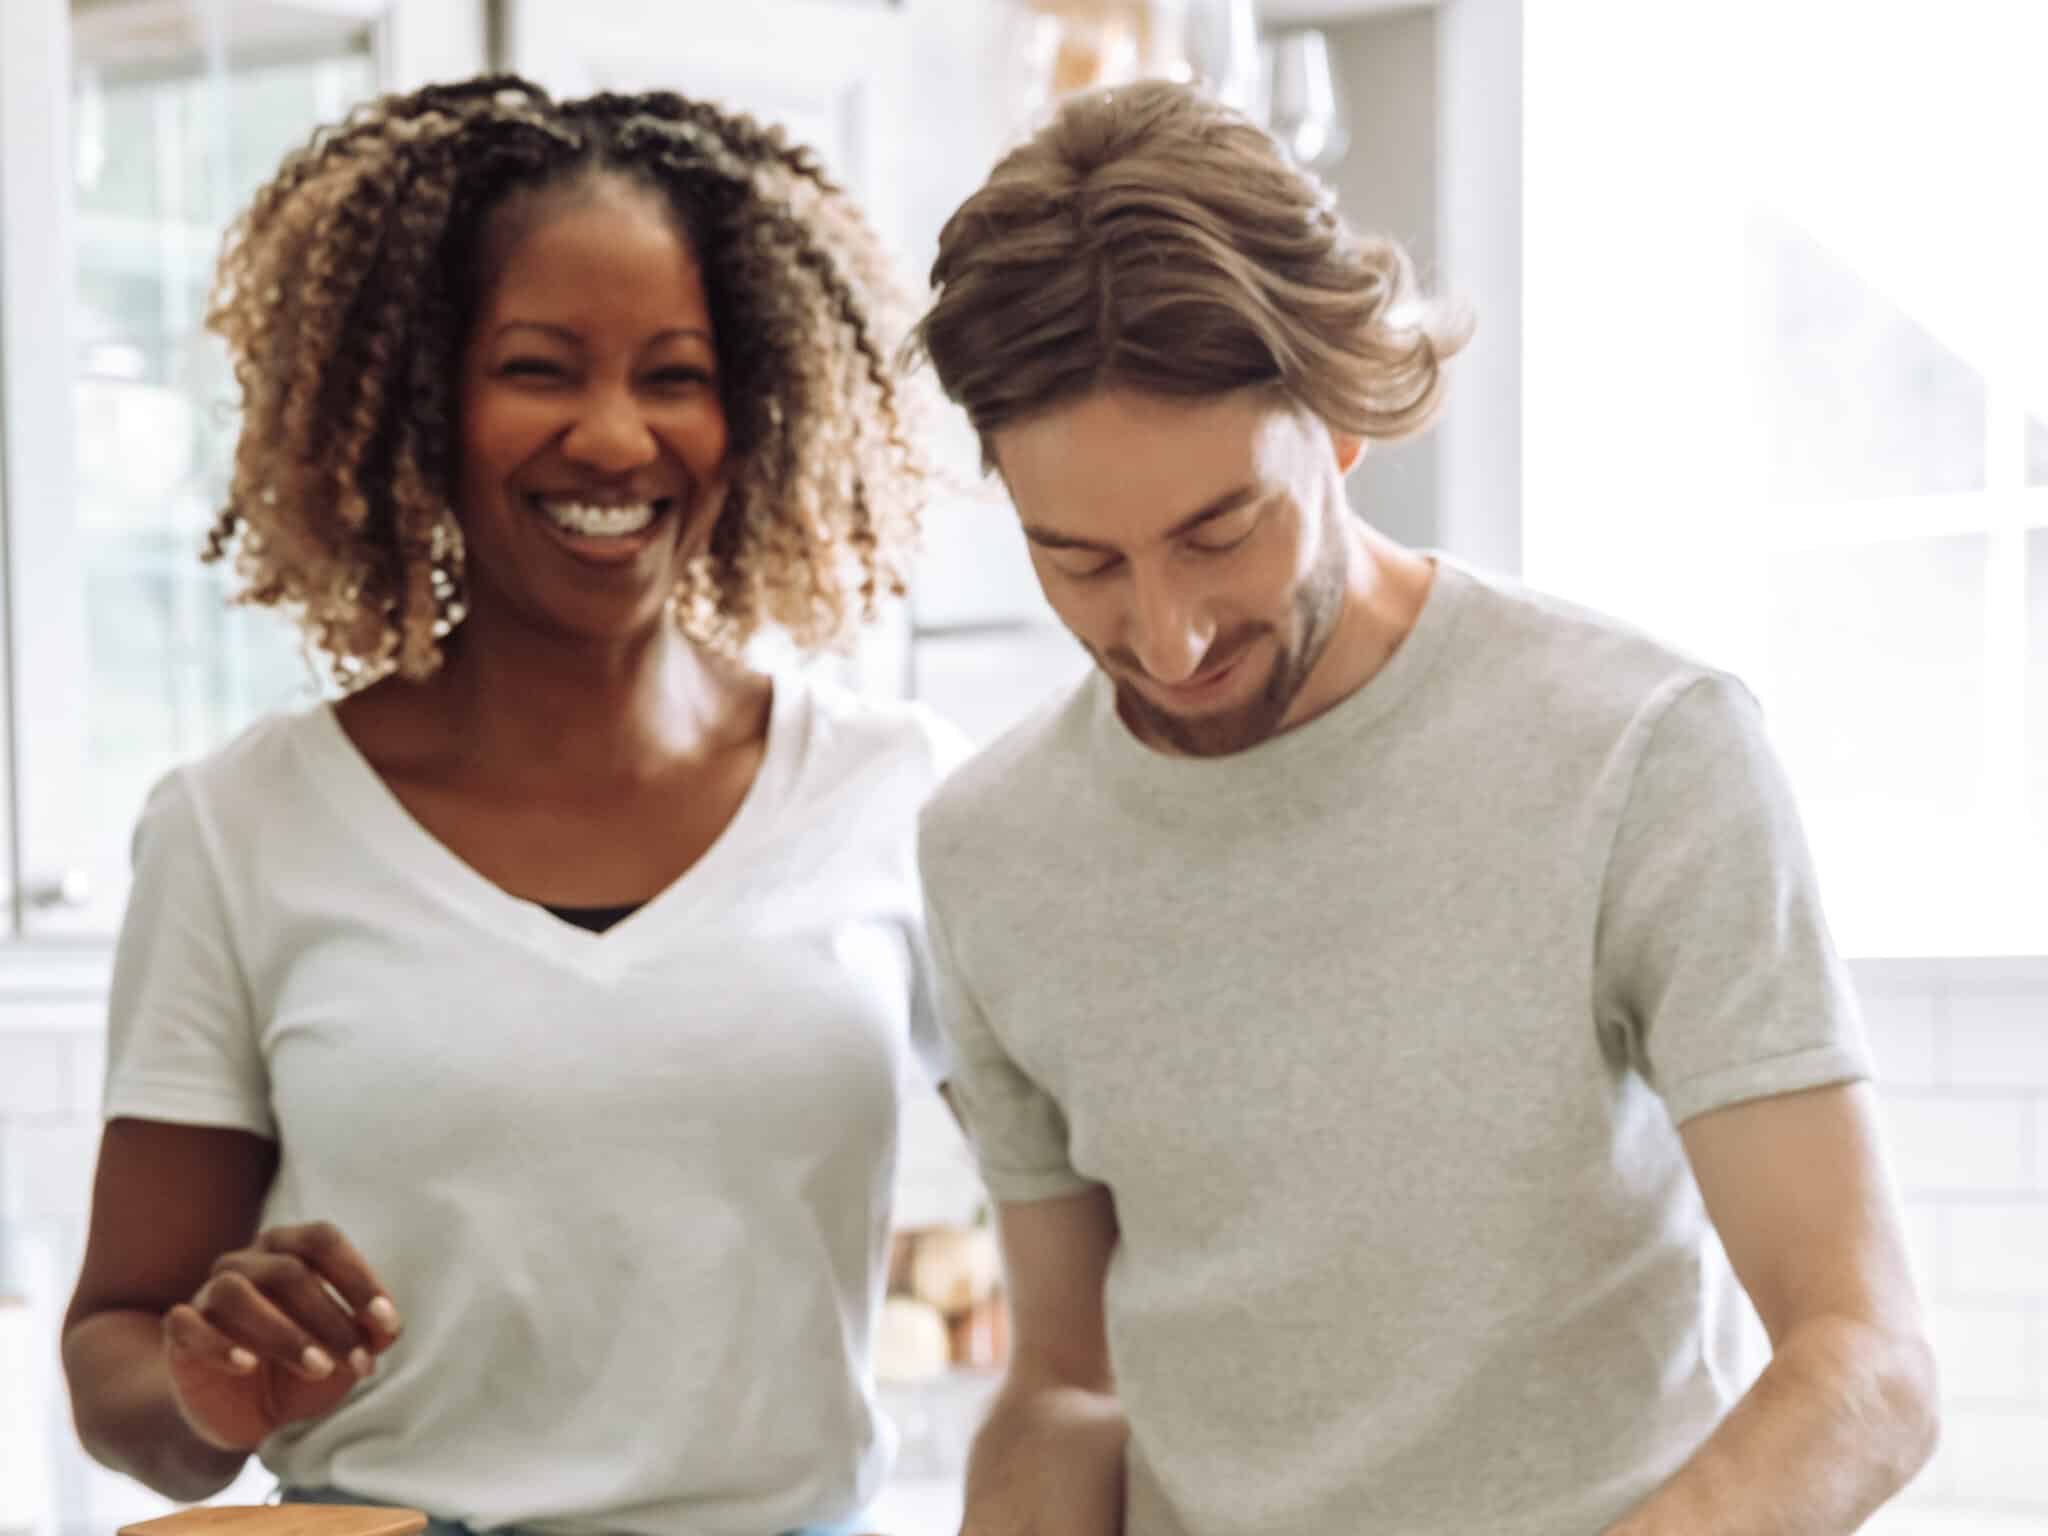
(630, 1190)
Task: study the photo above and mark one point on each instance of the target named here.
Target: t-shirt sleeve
(1713, 956)
(1017, 1129)
(182, 1042)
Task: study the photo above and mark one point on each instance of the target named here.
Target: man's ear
(1350, 450)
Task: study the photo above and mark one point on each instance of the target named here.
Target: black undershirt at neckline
(596, 919)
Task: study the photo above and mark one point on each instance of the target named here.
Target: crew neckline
(1279, 764)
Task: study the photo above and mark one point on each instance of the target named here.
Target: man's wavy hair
(1151, 239)
(345, 295)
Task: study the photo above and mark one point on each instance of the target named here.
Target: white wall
(1479, 126)
(1962, 1054)
(1387, 184)
(1433, 95)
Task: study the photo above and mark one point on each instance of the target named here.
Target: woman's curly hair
(1151, 238)
(345, 294)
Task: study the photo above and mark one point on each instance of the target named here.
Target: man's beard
(1317, 606)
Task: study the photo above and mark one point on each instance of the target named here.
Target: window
(1787, 403)
(172, 670)
(148, 126)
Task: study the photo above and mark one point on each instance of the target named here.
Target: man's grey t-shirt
(1379, 1034)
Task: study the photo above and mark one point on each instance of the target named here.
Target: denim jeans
(457, 1528)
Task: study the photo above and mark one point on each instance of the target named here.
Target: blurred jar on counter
(945, 1309)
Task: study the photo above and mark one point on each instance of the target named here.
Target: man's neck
(1385, 589)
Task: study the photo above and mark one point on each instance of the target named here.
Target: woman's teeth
(593, 522)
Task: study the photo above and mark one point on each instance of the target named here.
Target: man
(1392, 1008)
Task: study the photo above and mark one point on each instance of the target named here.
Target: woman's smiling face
(593, 437)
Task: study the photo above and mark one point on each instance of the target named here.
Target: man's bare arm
(1049, 1460)
(1846, 1413)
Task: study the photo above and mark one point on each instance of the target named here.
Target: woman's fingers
(242, 1311)
(192, 1338)
(322, 1248)
(301, 1298)
(305, 1298)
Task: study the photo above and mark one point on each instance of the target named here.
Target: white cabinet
(835, 75)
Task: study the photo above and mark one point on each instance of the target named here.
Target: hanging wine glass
(1303, 107)
(1222, 47)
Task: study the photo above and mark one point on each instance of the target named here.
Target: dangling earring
(445, 551)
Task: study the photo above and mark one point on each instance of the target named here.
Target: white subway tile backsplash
(1996, 1038)
(2037, 1352)
(34, 1076)
(1997, 1249)
(1924, 1246)
(1902, 1024)
(88, 1074)
(1931, 1487)
(36, 1013)
(46, 1171)
(2040, 1144)
(1945, 1144)
(1997, 1455)
(1985, 1352)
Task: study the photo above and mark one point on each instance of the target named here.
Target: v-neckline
(362, 794)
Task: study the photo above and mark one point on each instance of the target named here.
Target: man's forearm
(1843, 1419)
(1051, 1458)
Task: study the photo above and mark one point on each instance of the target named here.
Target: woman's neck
(539, 710)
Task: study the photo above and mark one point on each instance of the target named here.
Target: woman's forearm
(126, 1415)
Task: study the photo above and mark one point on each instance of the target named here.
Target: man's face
(1198, 550)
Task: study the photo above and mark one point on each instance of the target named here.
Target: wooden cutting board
(283, 1520)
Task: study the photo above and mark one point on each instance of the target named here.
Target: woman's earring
(446, 554)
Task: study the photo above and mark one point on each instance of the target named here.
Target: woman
(505, 1059)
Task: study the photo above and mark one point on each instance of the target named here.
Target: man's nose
(1169, 632)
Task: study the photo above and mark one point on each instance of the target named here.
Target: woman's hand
(280, 1332)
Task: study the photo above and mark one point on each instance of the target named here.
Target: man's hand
(1050, 1463)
